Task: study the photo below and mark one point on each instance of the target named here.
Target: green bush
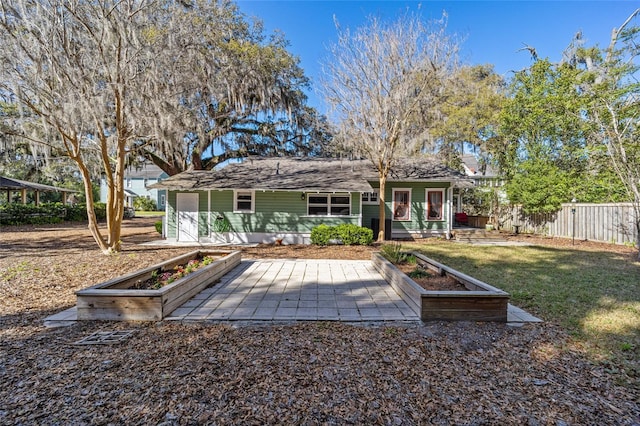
(158, 226)
(100, 210)
(29, 214)
(323, 234)
(76, 213)
(144, 204)
(351, 234)
(346, 233)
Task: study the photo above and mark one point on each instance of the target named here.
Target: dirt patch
(569, 243)
(299, 251)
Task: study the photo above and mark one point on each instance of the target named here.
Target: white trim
(360, 210)
(368, 202)
(450, 212)
(209, 212)
(251, 192)
(258, 238)
(426, 205)
(183, 233)
(393, 204)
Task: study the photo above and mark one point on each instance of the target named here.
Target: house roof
(144, 171)
(304, 174)
(473, 167)
(15, 184)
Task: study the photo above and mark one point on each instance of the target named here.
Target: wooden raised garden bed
(117, 299)
(481, 302)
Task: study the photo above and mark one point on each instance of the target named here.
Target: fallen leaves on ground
(299, 373)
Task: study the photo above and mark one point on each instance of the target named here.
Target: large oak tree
(109, 82)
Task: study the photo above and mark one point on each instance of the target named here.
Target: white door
(187, 205)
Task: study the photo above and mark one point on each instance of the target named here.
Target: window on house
(128, 183)
(401, 204)
(163, 200)
(244, 202)
(370, 197)
(329, 205)
(435, 204)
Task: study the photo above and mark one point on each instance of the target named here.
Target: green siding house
(263, 200)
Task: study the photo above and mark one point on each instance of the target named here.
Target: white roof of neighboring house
(144, 171)
(473, 167)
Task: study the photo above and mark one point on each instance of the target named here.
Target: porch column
(450, 212)
(24, 195)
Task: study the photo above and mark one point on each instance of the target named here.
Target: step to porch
(477, 236)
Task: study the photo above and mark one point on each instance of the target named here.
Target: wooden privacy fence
(612, 223)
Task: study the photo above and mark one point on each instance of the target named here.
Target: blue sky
(493, 30)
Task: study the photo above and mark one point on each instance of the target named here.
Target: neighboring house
(481, 173)
(269, 199)
(136, 184)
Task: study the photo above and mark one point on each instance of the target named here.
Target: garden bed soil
(118, 299)
(478, 301)
(431, 281)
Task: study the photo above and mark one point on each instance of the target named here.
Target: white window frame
(163, 200)
(428, 206)
(396, 207)
(328, 204)
(367, 198)
(244, 192)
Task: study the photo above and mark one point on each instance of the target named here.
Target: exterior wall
(170, 219)
(203, 214)
(418, 225)
(172, 215)
(277, 212)
(284, 215)
(276, 215)
(137, 185)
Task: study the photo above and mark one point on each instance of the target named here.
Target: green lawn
(140, 213)
(595, 295)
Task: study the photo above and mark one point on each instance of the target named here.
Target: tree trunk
(115, 208)
(91, 213)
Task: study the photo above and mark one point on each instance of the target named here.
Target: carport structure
(11, 186)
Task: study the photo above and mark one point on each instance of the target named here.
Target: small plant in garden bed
(418, 273)
(395, 253)
(160, 279)
(408, 263)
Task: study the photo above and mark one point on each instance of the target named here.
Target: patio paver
(301, 290)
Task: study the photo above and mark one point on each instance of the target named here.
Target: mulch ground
(304, 373)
